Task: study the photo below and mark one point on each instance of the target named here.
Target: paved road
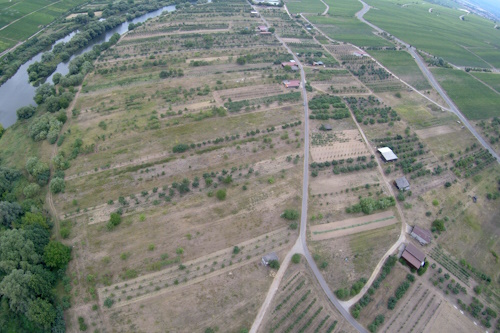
(432, 80)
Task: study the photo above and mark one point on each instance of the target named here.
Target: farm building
(267, 2)
(269, 257)
(291, 83)
(262, 28)
(326, 127)
(402, 184)
(318, 63)
(254, 13)
(413, 256)
(288, 63)
(423, 236)
(387, 154)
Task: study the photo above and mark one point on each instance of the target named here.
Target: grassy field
(342, 25)
(491, 79)
(32, 15)
(474, 99)
(439, 32)
(403, 65)
(305, 6)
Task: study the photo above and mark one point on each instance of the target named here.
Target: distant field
(32, 16)
(344, 26)
(493, 80)
(440, 32)
(474, 99)
(403, 65)
(305, 6)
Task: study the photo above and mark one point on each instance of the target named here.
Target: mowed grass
(344, 26)
(474, 99)
(491, 79)
(440, 32)
(305, 6)
(402, 64)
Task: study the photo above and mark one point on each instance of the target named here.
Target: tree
(15, 288)
(56, 254)
(39, 170)
(9, 212)
(31, 190)
(296, 258)
(438, 225)
(57, 185)
(26, 112)
(221, 194)
(41, 312)
(34, 219)
(16, 252)
(274, 264)
(2, 130)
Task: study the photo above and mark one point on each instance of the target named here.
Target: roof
(387, 153)
(422, 233)
(327, 127)
(288, 63)
(270, 256)
(402, 182)
(413, 255)
(292, 83)
(318, 62)
(295, 68)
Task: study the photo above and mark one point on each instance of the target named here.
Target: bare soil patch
(434, 131)
(352, 226)
(339, 145)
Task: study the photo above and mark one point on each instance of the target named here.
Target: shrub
(423, 269)
(290, 214)
(221, 194)
(274, 264)
(108, 302)
(438, 225)
(57, 185)
(296, 258)
(114, 220)
(180, 148)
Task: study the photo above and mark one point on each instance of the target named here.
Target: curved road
(432, 80)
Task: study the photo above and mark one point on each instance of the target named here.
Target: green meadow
(440, 32)
(474, 99)
(403, 65)
(491, 79)
(305, 6)
(32, 17)
(341, 24)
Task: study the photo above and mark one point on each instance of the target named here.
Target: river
(18, 92)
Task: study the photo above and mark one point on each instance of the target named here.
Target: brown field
(352, 226)
(341, 145)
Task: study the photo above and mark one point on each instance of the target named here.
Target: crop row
(450, 265)
(287, 298)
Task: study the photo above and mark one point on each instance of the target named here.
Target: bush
(423, 269)
(180, 148)
(31, 190)
(274, 264)
(26, 112)
(57, 185)
(114, 220)
(438, 225)
(342, 293)
(108, 302)
(221, 194)
(290, 214)
(296, 258)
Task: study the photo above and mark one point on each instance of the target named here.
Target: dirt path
(402, 235)
(478, 79)
(327, 8)
(352, 226)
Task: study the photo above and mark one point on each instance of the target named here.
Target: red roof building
(413, 256)
(423, 236)
(291, 83)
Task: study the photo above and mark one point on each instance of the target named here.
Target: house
(262, 28)
(269, 257)
(402, 184)
(291, 83)
(254, 13)
(360, 53)
(413, 256)
(387, 154)
(288, 63)
(423, 236)
(318, 63)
